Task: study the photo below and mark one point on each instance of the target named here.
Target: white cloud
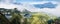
(55, 11)
(31, 8)
(8, 6)
(42, 2)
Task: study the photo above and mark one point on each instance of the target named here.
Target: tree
(50, 21)
(57, 20)
(3, 19)
(26, 16)
(16, 17)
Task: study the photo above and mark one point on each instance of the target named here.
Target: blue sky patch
(45, 5)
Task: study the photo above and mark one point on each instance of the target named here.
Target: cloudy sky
(28, 4)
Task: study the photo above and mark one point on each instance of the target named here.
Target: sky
(28, 4)
(35, 0)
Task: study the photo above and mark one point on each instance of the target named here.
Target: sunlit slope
(40, 18)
